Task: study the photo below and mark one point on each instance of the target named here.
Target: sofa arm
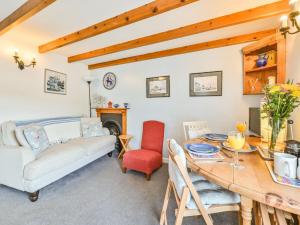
(12, 162)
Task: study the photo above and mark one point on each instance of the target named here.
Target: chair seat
(142, 160)
(215, 197)
(205, 185)
(195, 177)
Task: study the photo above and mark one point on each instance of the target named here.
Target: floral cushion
(36, 138)
(91, 127)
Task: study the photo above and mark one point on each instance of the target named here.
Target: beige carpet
(98, 194)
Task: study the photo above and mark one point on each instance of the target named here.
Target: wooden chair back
(200, 126)
(188, 191)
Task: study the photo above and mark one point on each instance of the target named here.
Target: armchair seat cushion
(142, 160)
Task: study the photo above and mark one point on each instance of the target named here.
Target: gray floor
(98, 194)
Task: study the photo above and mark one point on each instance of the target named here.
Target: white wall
(22, 92)
(221, 112)
(293, 72)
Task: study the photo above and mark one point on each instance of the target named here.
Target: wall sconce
(20, 62)
(293, 16)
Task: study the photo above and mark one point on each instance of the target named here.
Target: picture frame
(206, 84)
(55, 82)
(157, 87)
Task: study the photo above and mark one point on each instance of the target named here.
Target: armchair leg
(109, 154)
(33, 197)
(148, 177)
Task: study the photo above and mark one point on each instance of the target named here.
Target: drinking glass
(236, 141)
(241, 127)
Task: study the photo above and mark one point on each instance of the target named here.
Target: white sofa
(21, 169)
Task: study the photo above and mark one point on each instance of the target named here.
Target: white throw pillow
(36, 138)
(91, 127)
(20, 136)
(8, 134)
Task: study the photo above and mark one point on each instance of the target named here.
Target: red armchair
(149, 157)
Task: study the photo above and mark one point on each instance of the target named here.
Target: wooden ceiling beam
(187, 49)
(146, 11)
(260, 12)
(27, 10)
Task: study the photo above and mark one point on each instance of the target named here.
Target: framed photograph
(55, 82)
(158, 87)
(206, 84)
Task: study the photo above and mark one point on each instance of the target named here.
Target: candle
(284, 21)
(294, 5)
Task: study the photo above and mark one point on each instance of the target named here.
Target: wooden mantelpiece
(121, 111)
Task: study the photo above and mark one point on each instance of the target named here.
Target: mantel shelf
(262, 68)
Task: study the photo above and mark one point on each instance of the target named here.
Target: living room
(98, 80)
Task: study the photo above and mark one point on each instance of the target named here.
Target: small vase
(276, 126)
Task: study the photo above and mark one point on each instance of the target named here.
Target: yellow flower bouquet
(281, 100)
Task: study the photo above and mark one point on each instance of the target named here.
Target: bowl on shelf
(116, 105)
(126, 105)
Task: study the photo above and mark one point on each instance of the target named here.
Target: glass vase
(276, 125)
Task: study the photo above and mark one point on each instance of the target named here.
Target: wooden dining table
(253, 182)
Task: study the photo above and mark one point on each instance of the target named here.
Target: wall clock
(109, 80)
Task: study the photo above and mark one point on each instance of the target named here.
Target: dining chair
(191, 201)
(267, 215)
(195, 129)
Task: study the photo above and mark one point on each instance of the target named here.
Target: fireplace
(115, 120)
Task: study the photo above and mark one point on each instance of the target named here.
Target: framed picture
(158, 87)
(206, 84)
(55, 82)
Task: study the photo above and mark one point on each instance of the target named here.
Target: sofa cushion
(94, 144)
(91, 127)
(1, 137)
(20, 136)
(37, 138)
(8, 134)
(55, 157)
(62, 132)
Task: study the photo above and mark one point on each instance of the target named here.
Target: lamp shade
(89, 78)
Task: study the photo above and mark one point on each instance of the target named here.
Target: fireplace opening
(114, 129)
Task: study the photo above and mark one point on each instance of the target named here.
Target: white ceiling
(66, 16)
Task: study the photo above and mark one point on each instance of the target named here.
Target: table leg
(247, 205)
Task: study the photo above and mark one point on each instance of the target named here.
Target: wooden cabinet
(255, 78)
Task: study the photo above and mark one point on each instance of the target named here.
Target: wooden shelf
(262, 68)
(273, 46)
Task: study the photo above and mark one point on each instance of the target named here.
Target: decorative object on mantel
(109, 80)
(89, 80)
(98, 101)
(21, 63)
(158, 87)
(281, 100)
(126, 105)
(55, 82)
(293, 17)
(109, 104)
(206, 84)
(116, 105)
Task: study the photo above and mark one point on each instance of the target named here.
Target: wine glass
(236, 141)
(241, 127)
